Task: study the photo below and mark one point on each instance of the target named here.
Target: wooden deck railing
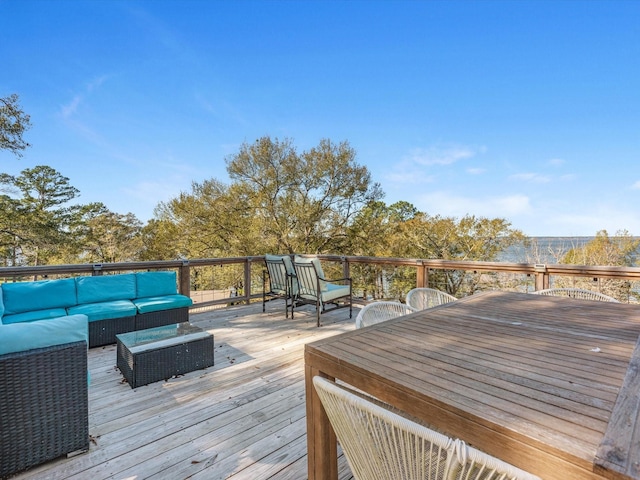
(251, 268)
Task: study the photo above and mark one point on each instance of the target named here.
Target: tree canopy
(39, 225)
(13, 123)
(279, 200)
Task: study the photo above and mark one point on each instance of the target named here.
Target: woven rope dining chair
(380, 444)
(377, 312)
(477, 465)
(423, 298)
(576, 293)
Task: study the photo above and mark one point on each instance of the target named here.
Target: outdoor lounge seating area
(112, 303)
(242, 418)
(302, 281)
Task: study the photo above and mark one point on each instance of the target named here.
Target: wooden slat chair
(278, 281)
(423, 298)
(576, 293)
(315, 289)
(381, 311)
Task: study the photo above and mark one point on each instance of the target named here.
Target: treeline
(278, 200)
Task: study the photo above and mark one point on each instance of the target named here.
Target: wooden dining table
(548, 384)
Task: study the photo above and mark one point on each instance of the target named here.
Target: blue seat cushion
(34, 316)
(155, 284)
(106, 288)
(21, 297)
(105, 310)
(166, 302)
(19, 337)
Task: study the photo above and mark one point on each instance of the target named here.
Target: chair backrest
(377, 312)
(576, 293)
(477, 465)
(310, 276)
(380, 444)
(422, 298)
(281, 273)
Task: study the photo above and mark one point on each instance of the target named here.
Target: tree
(621, 249)
(13, 123)
(303, 202)
(38, 221)
(278, 201)
(468, 238)
(102, 236)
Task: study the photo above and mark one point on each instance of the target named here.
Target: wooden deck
(243, 418)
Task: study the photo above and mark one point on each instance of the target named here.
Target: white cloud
(407, 174)
(636, 185)
(556, 162)
(476, 171)
(441, 155)
(70, 108)
(448, 204)
(531, 177)
(601, 217)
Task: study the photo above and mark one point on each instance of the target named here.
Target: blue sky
(524, 110)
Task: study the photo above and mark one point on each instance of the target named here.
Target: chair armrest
(335, 279)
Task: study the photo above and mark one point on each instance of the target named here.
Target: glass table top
(172, 332)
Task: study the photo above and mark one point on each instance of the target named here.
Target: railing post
(422, 275)
(542, 277)
(97, 269)
(247, 280)
(346, 268)
(184, 278)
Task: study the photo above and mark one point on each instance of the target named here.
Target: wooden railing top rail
(631, 273)
(542, 273)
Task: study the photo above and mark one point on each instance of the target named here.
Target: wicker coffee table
(159, 353)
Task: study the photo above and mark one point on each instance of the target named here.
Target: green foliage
(13, 123)
(603, 250)
(38, 226)
(39, 221)
(102, 236)
(301, 202)
(278, 201)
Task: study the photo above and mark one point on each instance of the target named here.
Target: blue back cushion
(155, 284)
(106, 288)
(41, 295)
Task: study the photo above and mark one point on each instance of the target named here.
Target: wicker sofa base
(161, 362)
(161, 318)
(44, 407)
(103, 332)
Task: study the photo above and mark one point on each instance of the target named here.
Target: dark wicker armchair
(44, 411)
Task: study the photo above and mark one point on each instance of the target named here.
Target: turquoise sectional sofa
(113, 304)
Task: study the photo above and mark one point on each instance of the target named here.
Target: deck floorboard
(243, 418)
